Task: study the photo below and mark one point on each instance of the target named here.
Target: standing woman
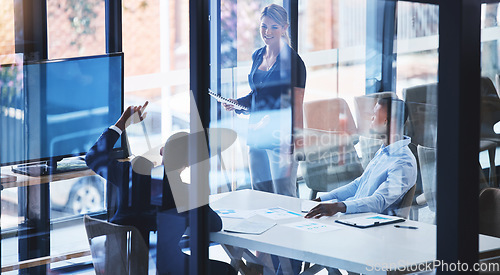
(278, 74)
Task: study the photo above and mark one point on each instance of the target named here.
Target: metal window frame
(199, 59)
(457, 157)
(31, 39)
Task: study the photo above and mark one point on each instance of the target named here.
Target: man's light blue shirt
(381, 187)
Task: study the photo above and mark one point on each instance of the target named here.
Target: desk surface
(349, 248)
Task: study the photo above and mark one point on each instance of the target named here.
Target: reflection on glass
(7, 33)
(489, 155)
(276, 69)
(62, 107)
(417, 68)
(76, 28)
(417, 44)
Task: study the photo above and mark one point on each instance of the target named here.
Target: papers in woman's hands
(227, 101)
(247, 226)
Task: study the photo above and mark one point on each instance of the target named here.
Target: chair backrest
(421, 126)
(488, 88)
(329, 115)
(497, 81)
(422, 123)
(489, 212)
(427, 162)
(116, 249)
(490, 109)
(426, 93)
(405, 206)
(330, 158)
(364, 109)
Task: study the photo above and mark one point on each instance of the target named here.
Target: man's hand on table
(325, 209)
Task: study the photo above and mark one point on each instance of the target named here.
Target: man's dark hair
(399, 104)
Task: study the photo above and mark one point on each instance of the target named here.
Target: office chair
(427, 164)
(489, 212)
(426, 93)
(330, 158)
(405, 206)
(116, 249)
(489, 221)
(421, 125)
(490, 115)
(497, 81)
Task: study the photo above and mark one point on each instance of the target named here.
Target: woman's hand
(230, 107)
(132, 115)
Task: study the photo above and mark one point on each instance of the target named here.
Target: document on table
(278, 213)
(235, 213)
(248, 227)
(312, 226)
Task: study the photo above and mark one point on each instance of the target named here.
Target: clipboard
(371, 221)
(227, 101)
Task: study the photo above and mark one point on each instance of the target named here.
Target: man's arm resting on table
(342, 193)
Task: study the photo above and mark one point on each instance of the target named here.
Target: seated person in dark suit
(136, 212)
(388, 176)
(173, 219)
(132, 177)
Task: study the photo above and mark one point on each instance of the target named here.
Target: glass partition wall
(489, 130)
(354, 53)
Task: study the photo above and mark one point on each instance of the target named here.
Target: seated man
(137, 174)
(388, 176)
(120, 173)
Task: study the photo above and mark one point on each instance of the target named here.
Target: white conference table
(350, 248)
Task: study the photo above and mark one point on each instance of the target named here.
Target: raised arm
(99, 158)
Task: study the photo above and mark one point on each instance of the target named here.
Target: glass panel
(489, 155)
(11, 132)
(490, 102)
(76, 28)
(156, 47)
(77, 196)
(417, 68)
(7, 34)
(239, 38)
(156, 40)
(355, 53)
(417, 45)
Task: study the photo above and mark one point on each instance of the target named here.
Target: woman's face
(271, 31)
